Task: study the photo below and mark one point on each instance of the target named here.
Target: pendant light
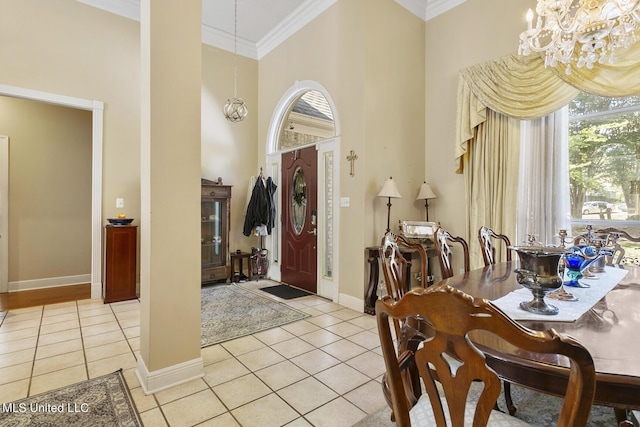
(235, 109)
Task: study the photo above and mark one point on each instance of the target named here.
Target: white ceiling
(262, 24)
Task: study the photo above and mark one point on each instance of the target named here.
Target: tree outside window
(604, 163)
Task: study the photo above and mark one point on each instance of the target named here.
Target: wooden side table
(240, 257)
(120, 263)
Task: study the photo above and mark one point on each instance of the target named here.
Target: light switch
(344, 202)
(119, 202)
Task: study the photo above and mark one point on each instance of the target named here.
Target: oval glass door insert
(298, 200)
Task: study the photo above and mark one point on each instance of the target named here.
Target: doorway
(300, 218)
(305, 118)
(97, 109)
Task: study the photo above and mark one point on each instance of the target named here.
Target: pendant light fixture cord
(235, 109)
(235, 51)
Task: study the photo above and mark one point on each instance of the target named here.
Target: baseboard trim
(153, 382)
(353, 303)
(49, 282)
(96, 290)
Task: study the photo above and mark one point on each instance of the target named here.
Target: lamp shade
(390, 189)
(426, 192)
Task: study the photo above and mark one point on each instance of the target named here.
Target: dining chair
(443, 241)
(394, 265)
(396, 279)
(613, 235)
(455, 317)
(486, 236)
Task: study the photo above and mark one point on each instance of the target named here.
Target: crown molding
(301, 16)
(225, 41)
(297, 19)
(417, 7)
(438, 7)
(429, 9)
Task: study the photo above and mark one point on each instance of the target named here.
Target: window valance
(516, 86)
(615, 80)
(523, 88)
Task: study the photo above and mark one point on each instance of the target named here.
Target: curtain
(506, 90)
(543, 188)
(490, 173)
(523, 88)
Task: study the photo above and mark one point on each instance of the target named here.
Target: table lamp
(389, 190)
(426, 193)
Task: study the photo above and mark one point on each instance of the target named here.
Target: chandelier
(235, 109)
(581, 32)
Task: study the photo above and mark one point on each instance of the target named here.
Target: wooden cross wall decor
(352, 157)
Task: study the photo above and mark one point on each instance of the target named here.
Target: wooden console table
(373, 255)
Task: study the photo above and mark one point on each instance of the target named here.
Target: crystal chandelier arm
(581, 32)
(530, 40)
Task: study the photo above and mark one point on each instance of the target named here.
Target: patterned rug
(100, 402)
(230, 311)
(540, 410)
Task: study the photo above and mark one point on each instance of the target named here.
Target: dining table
(610, 330)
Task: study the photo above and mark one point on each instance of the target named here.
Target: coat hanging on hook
(261, 210)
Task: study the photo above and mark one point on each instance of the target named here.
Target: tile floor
(320, 371)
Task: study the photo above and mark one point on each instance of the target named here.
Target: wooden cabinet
(120, 263)
(215, 216)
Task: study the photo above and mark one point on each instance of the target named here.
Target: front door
(300, 218)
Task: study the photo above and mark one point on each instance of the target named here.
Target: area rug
(100, 402)
(230, 311)
(285, 291)
(540, 410)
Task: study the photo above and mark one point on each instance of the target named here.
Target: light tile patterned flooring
(324, 370)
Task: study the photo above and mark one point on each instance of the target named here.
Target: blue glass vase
(580, 258)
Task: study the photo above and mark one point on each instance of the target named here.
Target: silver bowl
(538, 272)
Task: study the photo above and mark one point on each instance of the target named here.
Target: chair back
(395, 273)
(609, 236)
(485, 236)
(453, 315)
(443, 241)
(613, 235)
(394, 264)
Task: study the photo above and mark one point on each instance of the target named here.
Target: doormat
(104, 402)
(285, 291)
(230, 311)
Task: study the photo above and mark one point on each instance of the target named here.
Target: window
(604, 165)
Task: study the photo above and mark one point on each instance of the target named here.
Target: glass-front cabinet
(215, 215)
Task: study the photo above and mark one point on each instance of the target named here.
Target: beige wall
(369, 55)
(393, 79)
(49, 189)
(472, 33)
(67, 48)
(229, 149)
